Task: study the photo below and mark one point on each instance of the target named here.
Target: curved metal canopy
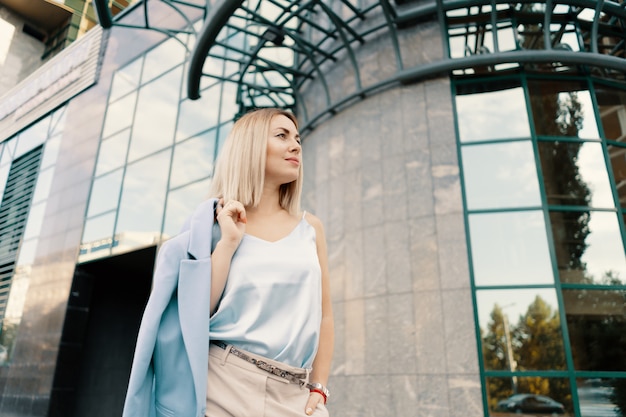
(274, 49)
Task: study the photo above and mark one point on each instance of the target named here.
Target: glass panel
(32, 137)
(9, 148)
(617, 155)
(113, 152)
(496, 112)
(44, 184)
(57, 122)
(500, 175)
(156, 115)
(119, 115)
(97, 237)
(477, 38)
(224, 130)
(181, 203)
(529, 396)
(4, 175)
(162, 58)
(596, 322)
(520, 329)
(193, 159)
(601, 397)
(143, 202)
(28, 250)
(562, 108)
(126, 80)
(230, 108)
(199, 115)
(588, 247)
(35, 220)
(105, 193)
(510, 249)
(612, 108)
(51, 152)
(574, 173)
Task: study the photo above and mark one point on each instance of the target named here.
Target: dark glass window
(612, 109)
(617, 155)
(529, 396)
(596, 322)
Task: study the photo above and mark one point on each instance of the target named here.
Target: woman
(269, 314)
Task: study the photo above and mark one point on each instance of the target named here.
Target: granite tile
(460, 332)
(430, 342)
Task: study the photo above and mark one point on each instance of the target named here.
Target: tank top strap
(303, 214)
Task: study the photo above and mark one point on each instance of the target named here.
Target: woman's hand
(311, 405)
(232, 220)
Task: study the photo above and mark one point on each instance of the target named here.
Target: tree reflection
(536, 344)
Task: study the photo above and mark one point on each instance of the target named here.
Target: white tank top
(272, 301)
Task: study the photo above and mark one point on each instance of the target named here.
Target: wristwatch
(317, 385)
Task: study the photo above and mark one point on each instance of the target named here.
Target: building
(466, 156)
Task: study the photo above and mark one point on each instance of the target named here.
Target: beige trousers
(237, 388)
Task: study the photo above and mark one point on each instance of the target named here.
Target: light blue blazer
(169, 373)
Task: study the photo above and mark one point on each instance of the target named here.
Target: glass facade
(542, 154)
(542, 162)
(156, 154)
(43, 138)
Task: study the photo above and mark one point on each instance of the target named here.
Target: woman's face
(284, 152)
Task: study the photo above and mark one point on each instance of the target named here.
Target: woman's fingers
(311, 405)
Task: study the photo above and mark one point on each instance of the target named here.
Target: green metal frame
(320, 33)
(570, 373)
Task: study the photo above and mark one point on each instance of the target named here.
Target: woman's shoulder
(314, 221)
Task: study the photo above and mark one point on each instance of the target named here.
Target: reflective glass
(520, 329)
(588, 247)
(28, 250)
(32, 137)
(529, 396)
(143, 202)
(230, 108)
(44, 184)
(4, 175)
(193, 159)
(223, 132)
(112, 152)
(465, 41)
(7, 153)
(500, 175)
(97, 237)
(596, 322)
(126, 79)
(105, 193)
(35, 220)
(51, 152)
(57, 122)
(617, 155)
(612, 109)
(510, 248)
(601, 396)
(575, 173)
(562, 108)
(491, 114)
(181, 203)
(155, 121)
(162, 58)
(198, 115)
(119, 115)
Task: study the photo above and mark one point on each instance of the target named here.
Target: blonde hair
(240, 167)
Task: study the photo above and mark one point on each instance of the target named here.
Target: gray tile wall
(383, 176)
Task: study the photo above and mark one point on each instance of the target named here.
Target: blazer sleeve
(140, 397)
